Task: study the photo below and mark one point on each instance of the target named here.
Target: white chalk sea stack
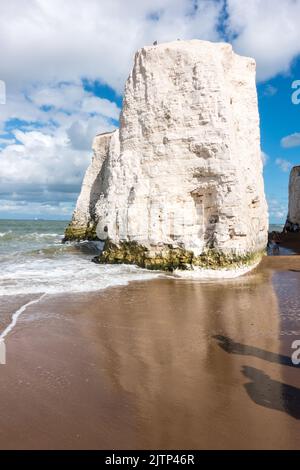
(293, 218)
(180, 183)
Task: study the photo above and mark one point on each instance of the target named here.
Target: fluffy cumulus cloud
(69, 39)
(264, 158)
(283, 164)
(97, 38)
(20, 208)
(277, 210)
(267, 30)
(290, 141)
(270, 90)
(51, 49)
(47, 133)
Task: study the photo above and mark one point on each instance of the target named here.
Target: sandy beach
(157, 364)
(149, 229)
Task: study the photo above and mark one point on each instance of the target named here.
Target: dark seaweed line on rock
(171, 258)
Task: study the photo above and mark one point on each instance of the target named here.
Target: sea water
(33, 260)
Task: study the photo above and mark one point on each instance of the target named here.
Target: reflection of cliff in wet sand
(171, 365)
(141, 367)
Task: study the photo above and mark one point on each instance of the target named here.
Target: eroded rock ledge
(180, 184)
(170, 258)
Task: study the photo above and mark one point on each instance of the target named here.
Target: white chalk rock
(293, 219)
(185, 171)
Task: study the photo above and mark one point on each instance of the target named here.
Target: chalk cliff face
(293, 218)
(181, 183)
(93, 197)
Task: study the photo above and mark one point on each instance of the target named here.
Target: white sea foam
(4, 234)
(9, 235)
(200, 273)
(35, 262)
(70, 273)
(65, 274)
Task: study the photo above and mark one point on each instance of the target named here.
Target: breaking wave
(34, 261)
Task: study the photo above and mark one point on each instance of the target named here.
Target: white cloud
(65, 41)
(277, 210)
(264, 158)
(60, 95)
(43, 210)
(268, 30)
(5, 142)
(41, 160)
(98, 38)
(270, 90)
(54, 155)
(50, 46)
(57, 102)
(70, 97)
(93, 104)
(81, 133)
(283, 164)
(290, 141)
(57, 157)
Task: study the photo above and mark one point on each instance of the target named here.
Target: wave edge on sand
(198, 273)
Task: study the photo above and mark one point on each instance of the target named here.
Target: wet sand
(159, 364)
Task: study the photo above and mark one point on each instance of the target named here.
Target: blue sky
(279, 118)
(65, 73)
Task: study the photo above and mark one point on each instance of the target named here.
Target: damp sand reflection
(159, 364)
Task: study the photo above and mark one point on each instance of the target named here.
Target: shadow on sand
(263, 390)
(270, 393)
(230, 346)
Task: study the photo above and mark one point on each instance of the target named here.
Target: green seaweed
(170, 258)
(73, 233)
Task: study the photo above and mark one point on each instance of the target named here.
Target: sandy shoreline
(159, 364)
